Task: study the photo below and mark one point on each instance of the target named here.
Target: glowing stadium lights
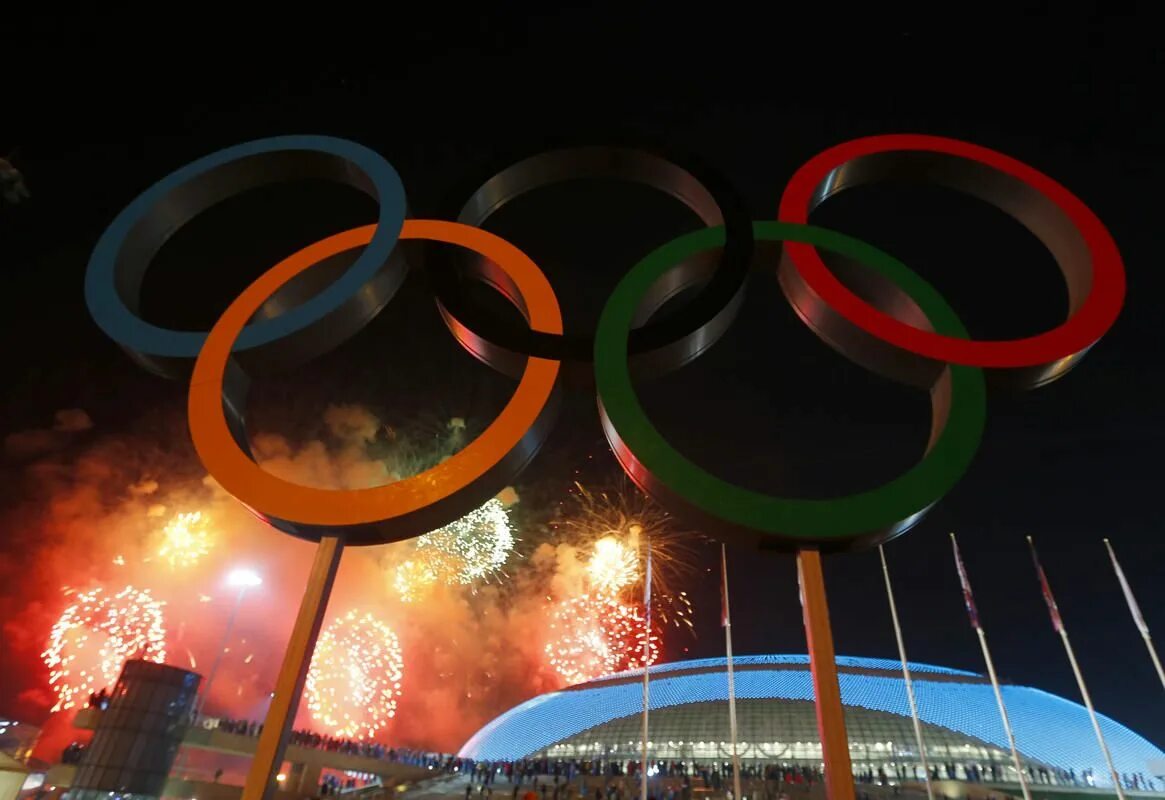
(1049, 729)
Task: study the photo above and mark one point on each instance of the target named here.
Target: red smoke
(82, 510)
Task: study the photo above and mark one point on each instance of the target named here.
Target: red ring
(1079, 332)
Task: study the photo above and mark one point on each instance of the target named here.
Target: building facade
(136, 739)
(601, 720)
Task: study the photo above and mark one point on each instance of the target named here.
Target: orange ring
(270, 496)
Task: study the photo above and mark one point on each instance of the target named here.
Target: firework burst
(594, 635)
(185, 539)
(613, 566)
(96, 635)
(413, 579)
(616, 528)
(354, 680)
(470, 549)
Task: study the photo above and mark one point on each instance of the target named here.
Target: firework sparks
(413, 579)
(672, 609)
(617, 527)
(472, 548)
(185, 539)
(613, 565)
(355, 676)
(96, 635)
(595, 635)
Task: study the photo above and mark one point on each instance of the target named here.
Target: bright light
(244, 578)
(281, 777)
(613, 565)
(185, 539)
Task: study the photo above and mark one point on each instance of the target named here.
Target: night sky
(98, 117)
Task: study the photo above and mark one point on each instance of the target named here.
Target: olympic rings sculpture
(898, 326)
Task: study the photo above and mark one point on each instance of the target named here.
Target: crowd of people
(72, 753)
(241, 727)
(333, 744)
(606, 779)
(995, 773)
(546, 779)
(99, 699)
(331, 785)
(556, 775)
(556, 770)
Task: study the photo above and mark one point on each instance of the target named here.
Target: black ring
(655, 347)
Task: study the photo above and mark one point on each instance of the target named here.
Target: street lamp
(244, 579)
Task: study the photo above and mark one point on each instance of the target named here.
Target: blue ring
(131, 331)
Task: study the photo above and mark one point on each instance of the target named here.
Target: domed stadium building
(601, 720)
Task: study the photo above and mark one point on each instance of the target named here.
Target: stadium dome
(602, 719)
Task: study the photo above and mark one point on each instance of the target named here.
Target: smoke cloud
(30, 444)
(86, 513)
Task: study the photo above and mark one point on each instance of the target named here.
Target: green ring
(833, 523)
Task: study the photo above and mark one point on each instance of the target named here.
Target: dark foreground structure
(601, 720)
(137, 737)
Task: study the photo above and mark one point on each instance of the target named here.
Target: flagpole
(646, 663)
(731, 678)
(1058, 624)
(1003, 713)
(1135, 610)
(974, 615)
(906, 675)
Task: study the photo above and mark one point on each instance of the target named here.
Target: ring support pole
(292, 674)
(839, 779)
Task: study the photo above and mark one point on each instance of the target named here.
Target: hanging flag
(1128, 590)
(1057, 623)
(968, 598)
